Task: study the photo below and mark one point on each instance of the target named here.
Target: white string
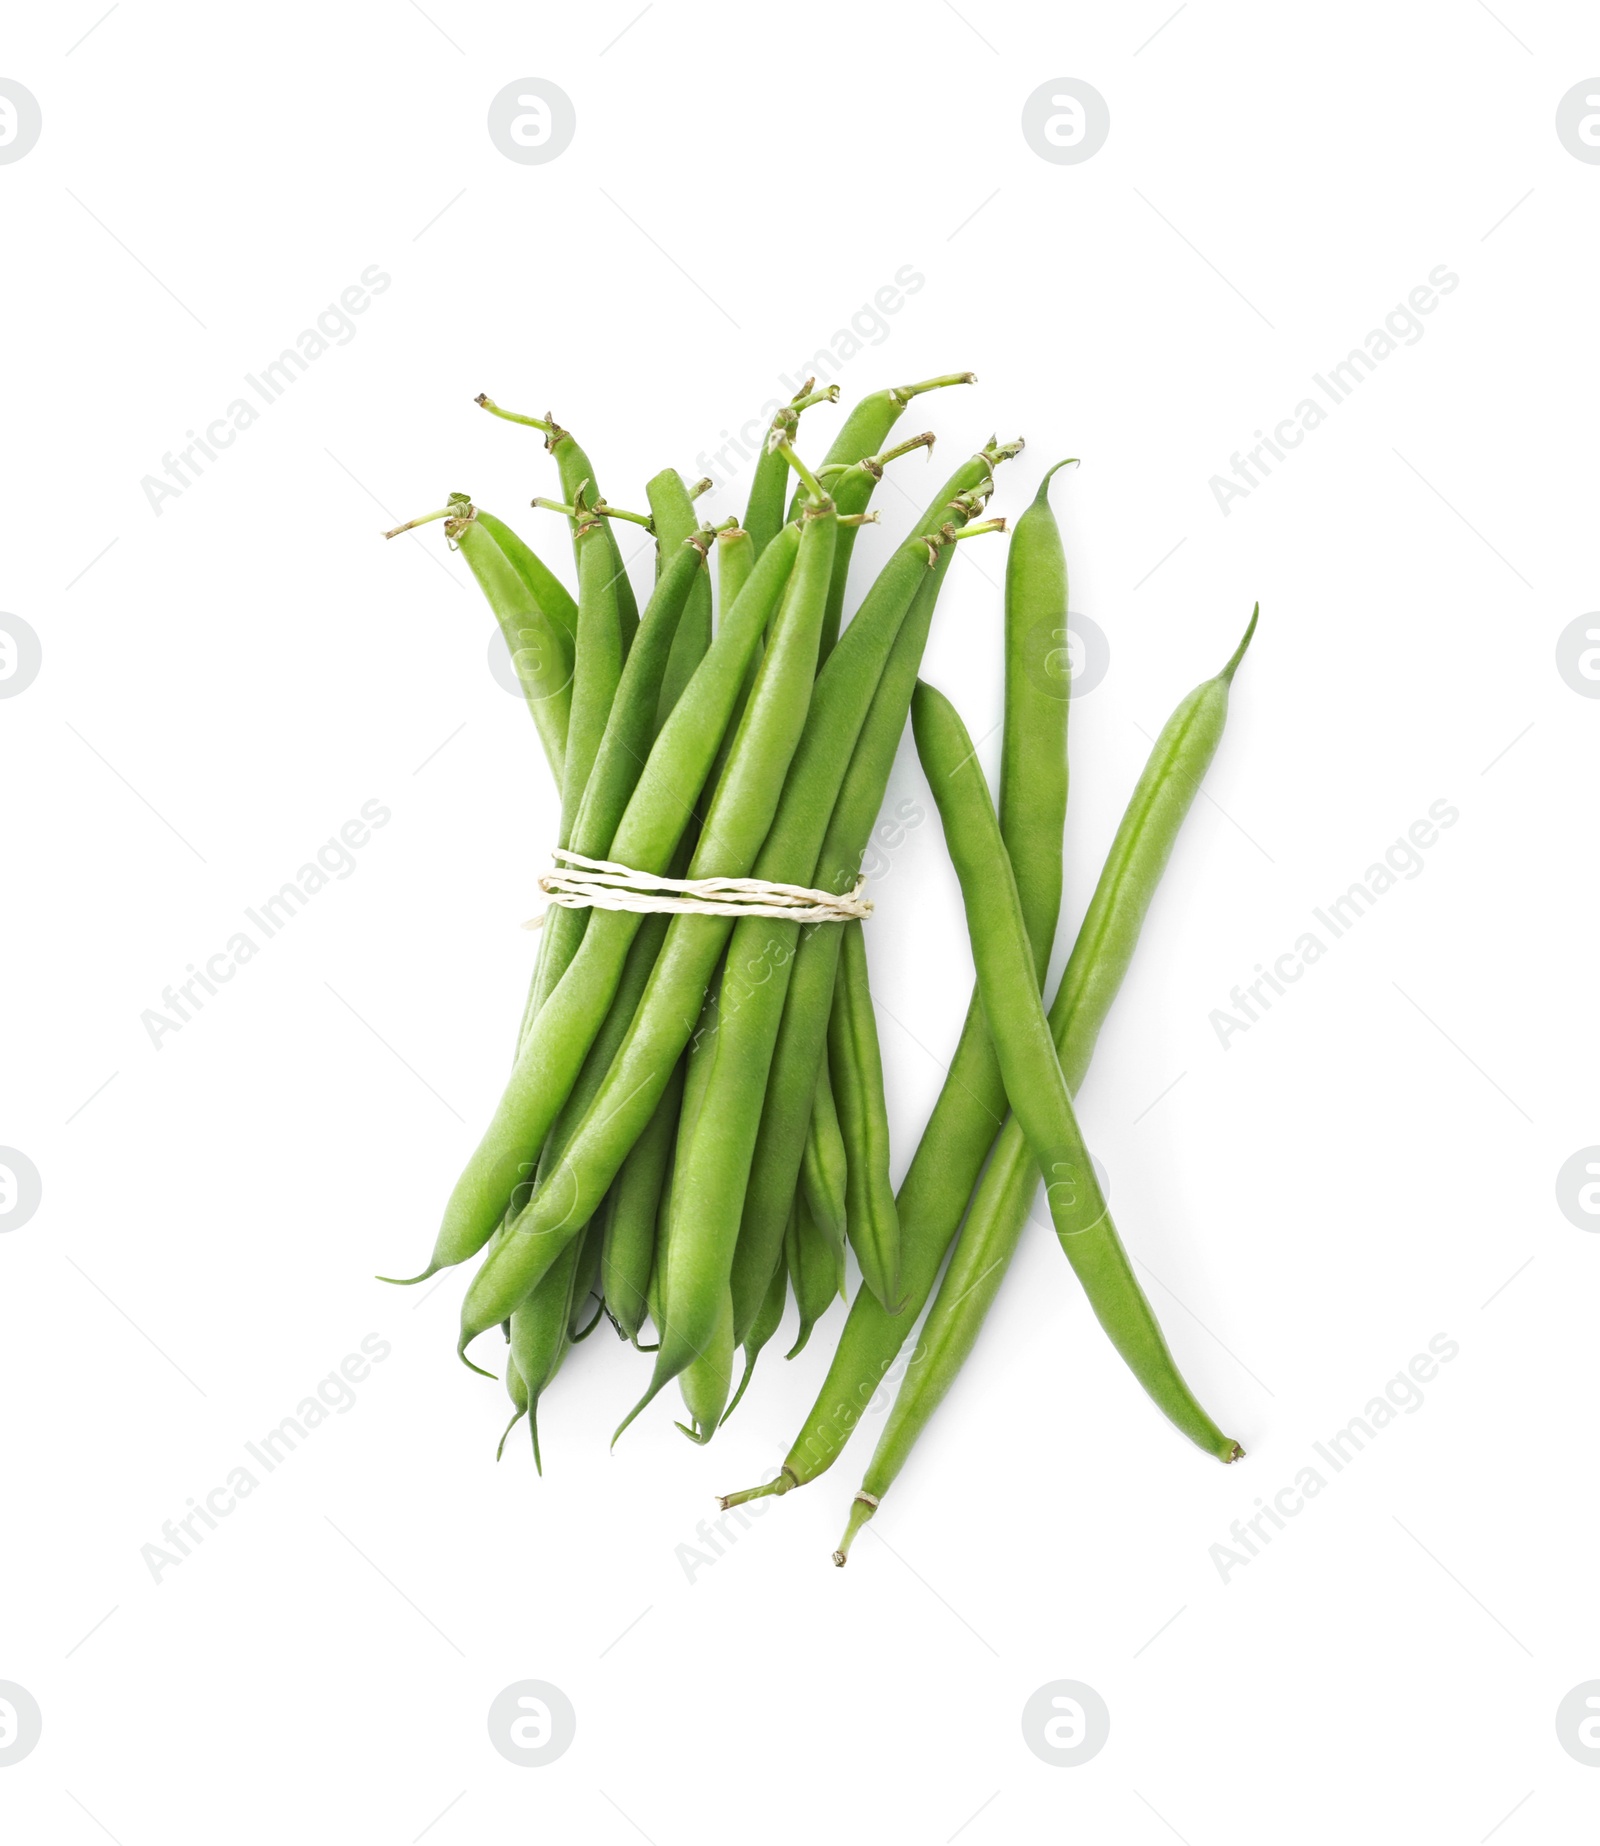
(603, 884)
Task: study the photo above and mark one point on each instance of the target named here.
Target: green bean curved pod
(813, 1270)
(540, 1336)
(517, 1391)
(596, 671)
(1035, 1086)
(540, 652)
(586, 1311)
(762, 1328)
(675, 521)
(546, 588)
(825, 1171)
(704, 1382)
(971, 1104)
(657, 1267)
(657, 815)
(630, 1245)
(739, 817)
(1138, 856)
(577, 472)
(736, 558)
(1033, 748)
(856, 1070)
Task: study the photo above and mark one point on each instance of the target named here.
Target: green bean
(540, 645)
(797, 1055)
(596, 671)
(1035, 1086)
(813, 1269)
(631, 1229)
(1033, 748)
(736, 558)
(740, 815)
(657, 814)
(705, 1380)
(856, 1069)
(540, 1334)
(769, 484)
(972, 1103)
(674, 516)
(714, 1152)
(762, 1328)
(587, 1277)
(825, 1169)
(546, 588)
(999, 1212)
(517, 1391)
(576, 473)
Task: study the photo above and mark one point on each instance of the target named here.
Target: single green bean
(736, 558)
(705, 1381)
(825, 1169)
(674, 516)
(762, 1328)
(587, 1278)
(856, 1070)
(631, 1229)
(541, 653)
(540, 1336)
(517, 1391)
(1033, 744)
(546, 588)
(813, 1269)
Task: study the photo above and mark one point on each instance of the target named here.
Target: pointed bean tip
(1232, 667)
(409, 1281)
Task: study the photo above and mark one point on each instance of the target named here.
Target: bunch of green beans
(694, 1130)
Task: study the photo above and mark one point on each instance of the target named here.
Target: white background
(223, 685)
